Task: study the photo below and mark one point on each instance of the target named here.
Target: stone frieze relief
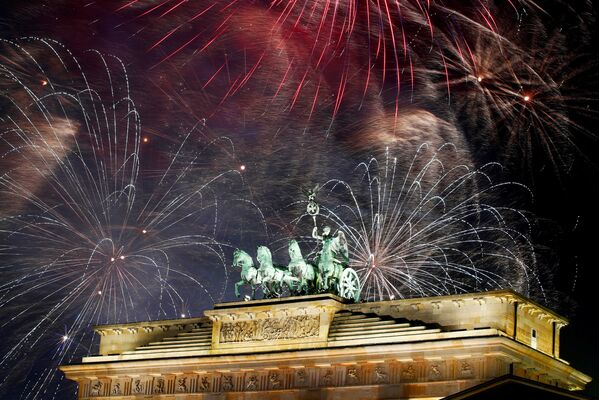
(296, 327)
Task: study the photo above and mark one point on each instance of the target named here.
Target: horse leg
(265, 290)
(271, 290)
(237, 287)
(295, 285)
(292, 284)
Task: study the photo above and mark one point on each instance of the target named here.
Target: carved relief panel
(352, 375)
(117, 388)
(408, 372)
(296, 327)
(139, 385)
(381, 374)
(436, 370)
(205, 383)
(252, 382)
(98, 388)
(301, 378)
(327, 377)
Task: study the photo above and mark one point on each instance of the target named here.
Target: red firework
(322, 50)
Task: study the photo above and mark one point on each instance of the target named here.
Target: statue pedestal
(273, 324)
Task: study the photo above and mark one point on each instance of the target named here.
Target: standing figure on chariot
(332, 259)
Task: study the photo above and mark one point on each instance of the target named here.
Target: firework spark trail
(320, 56)
(83, 236)
(427, 229)
(497, 67)
(327, 36)
(523, 90)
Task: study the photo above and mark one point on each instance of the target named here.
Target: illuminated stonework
(297, 327)
(321, 347)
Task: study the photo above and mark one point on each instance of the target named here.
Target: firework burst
(84, 240)
(495, 69)
(520, 93)
(322, 53)
(103, 222)
(422, 228)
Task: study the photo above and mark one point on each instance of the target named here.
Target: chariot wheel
(349, 285)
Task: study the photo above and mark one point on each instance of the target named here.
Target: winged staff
(328, 271)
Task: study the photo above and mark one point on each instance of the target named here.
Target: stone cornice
(147, 326)
(459, 300)
(496, 346)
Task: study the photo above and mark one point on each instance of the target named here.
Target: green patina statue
(329, 272)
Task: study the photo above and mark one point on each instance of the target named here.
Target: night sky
(142, 141)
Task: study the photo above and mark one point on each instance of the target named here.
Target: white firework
(420, 228)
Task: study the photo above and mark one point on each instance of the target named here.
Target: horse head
(264, 256)
(295, 253)
(242, 259)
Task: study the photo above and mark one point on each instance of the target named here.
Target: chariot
(327, 272)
